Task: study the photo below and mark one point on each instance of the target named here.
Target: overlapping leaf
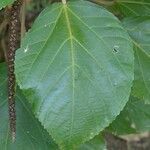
(30, 134)
(139, 30)
(75, 67)
(134, 118)
(122, 125)
(139, 114)
(132, 7)
(4, 3)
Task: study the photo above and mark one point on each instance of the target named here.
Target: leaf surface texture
(73, 70)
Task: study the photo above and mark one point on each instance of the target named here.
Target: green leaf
(97, 143)
(4, 3)
(30, 134)
(139, 114)
(122, 125)
(73, 70)
(132, 7)
(139, 30)
(134, 118)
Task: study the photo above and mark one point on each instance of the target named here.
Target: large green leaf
(4, 3)
(132, 7)
(30, 134)
(139, 30)
(76, 68)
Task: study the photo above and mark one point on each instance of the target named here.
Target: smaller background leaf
(132, 7)
(139, 114)
(4, 3)
(139, 30)
(122, 125)
(133, 119)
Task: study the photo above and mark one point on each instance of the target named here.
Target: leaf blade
(71, 87)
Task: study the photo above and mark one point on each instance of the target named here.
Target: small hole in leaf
(116, 49)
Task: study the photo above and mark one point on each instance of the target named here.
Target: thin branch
(13, 44)
(23, 14)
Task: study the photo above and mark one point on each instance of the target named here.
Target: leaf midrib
(73, 69)
(100, 39)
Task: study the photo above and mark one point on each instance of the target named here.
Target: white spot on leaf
(26, 49)
(115, 83)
